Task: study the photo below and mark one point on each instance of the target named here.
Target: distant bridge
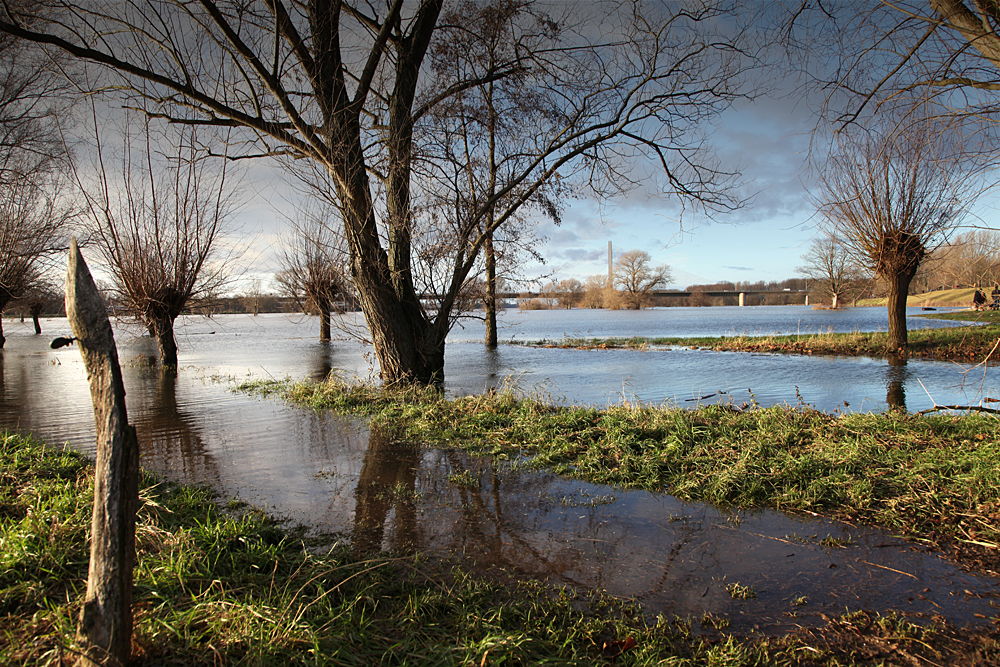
(741, 294)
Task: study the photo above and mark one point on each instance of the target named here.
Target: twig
(971, 408)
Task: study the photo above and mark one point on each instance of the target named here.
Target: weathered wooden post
(106, 620)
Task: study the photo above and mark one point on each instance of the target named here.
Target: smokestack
(611, 269)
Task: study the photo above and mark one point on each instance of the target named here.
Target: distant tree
(636, 277)
(599, 293)
(40, 295)
(570, 292)
(313, 269)
(893, 193)
(971, 258)
(158, 228)
(252, 297)
(830, 267)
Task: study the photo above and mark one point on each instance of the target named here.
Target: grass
(217, 587)
(930, 477)
(962, 344)
(222, 584)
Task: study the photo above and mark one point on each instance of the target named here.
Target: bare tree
(970, 258)
(893, 194)
(831, 268)
(343, 87)
(476, 141)
(34, 225)
(570, 292)
(313, 269)
(158, 228)
(637, 277)
(42, 293)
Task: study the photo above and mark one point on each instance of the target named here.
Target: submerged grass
(223, 588)
(934, 478)
(963, 344)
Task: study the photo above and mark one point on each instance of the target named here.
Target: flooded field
(762, 571)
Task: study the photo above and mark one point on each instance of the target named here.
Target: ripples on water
(332, 474)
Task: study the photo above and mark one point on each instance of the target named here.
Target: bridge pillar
(743, 298)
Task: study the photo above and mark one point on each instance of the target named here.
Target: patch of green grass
(738, 591)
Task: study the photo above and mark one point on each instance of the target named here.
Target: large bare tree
(158, 219)
(636, 275)
(343, 85)
(894, 193)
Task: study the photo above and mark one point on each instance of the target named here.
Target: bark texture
(106, 619)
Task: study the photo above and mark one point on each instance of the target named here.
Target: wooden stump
(106, 620)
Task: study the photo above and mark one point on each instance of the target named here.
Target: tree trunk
(163, 330)
(35, 312)
(324, 322)
(106, 618)
(899, 289)
(2, 339)
(491, 292)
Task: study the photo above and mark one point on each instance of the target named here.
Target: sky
(767, 140)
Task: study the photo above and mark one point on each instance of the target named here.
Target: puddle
(763, 571)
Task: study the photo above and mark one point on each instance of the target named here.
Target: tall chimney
(611, 269)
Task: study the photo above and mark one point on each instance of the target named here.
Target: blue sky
(768, 140)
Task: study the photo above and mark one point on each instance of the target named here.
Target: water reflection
(169, 436)
(387, 482)
(896, 376)
(322, 360)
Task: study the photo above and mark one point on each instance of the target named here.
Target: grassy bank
(932, 478)
(226, 586)
(961, 344)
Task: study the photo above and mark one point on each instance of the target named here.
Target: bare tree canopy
(34, 223)
(894, 193)
(637, 277)
(344, 86)
(871, 55)
(313, 267)
(158, 222)
(830, 267)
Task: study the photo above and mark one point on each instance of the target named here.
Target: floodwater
(342, 480)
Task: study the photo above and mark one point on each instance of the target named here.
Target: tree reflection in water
(170, 443)
(387, 482)
(896, 375)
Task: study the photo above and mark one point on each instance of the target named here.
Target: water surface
(344, 481)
